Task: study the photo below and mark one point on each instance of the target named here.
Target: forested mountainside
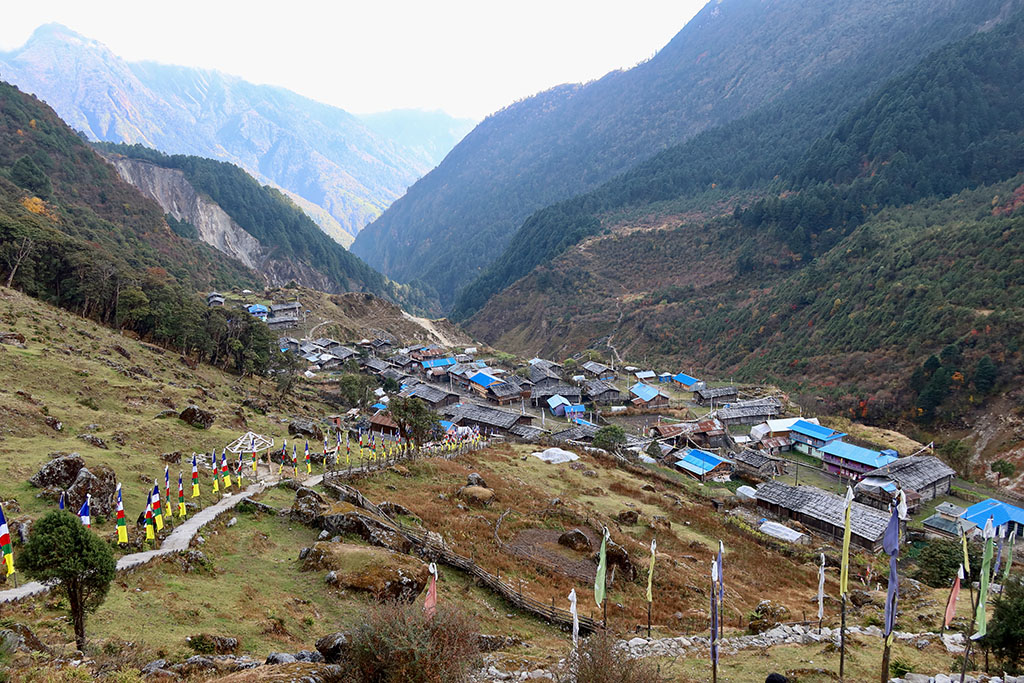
(321, 153)
(289, 246)
(431, 134)
(829, 275)
(748, 153)
(733, 58)
(74, 234)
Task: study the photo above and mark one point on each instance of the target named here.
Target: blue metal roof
(483, 379)
(575, 409)
(685, 379)
(446, 424)
(1000, 512)
(438, 363)
(644, 392)
(815, 431)
(699, 462)
(257, 308)
(379, 406)
(865, 456)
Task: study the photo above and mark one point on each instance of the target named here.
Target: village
(735, 442)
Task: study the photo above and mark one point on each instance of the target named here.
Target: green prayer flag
(1009, 556)
(602, 566)
(980, 617)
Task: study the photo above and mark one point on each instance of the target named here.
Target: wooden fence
(428, 547)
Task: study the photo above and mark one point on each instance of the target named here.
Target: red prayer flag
(953, 595)
(430, 602)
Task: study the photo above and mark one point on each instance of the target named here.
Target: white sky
(467, 58)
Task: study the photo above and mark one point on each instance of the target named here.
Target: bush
(1006, 632)
(609, 437)
(396, 643)
(597, 661)
(938, 562)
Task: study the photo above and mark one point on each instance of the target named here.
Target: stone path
(178, 539)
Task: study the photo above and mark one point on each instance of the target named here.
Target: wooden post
(886, 653)
(842, 638)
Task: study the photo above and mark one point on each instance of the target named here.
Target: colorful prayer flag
(181, 496)
(195, 476)
(602, 567)
(167, 490)
(122, 528)
(83, 512)
(252, 447)
(844, 569)
(216, 473)
(967, 557)
(60, 503)
(158, 514)
(295, 463)
(309, 468)
(6, 548)
(150, 522)
(224, 473)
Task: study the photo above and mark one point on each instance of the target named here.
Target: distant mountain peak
(58, 32)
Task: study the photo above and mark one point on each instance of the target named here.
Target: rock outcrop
(197, 417)
(60, 472)
(385, 575)
(576, 540)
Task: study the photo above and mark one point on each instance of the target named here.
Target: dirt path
(429, 326)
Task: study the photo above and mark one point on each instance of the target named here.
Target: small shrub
(597, 661)
(899, 667)
(88, 402)
(201, 644)
(396, 643)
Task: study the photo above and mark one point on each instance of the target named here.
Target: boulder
(171, 458)
(859, 598)
(279, 658)
(477, 495)
(197, 417)
(628, 517)
(101, 482)
(205, 643)
(257, 404)
(333, 646)
(649, 488)
(389, 508)
(12, 338)
(344, 518)
(305, 428)
(384, 574)
(53, 423)
(93, 440)
(475, 479)
(618, 557)
(164, 414)
(308, 505)
(575, 540)
(59, 472)
(766, 616)
(661, 523)
(489, 643)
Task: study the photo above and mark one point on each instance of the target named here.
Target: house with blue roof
(684, 381)
(1000, 512)
(557, 404)
(853, 462)
(809, 438)
(701, 464)
(438, 363)
(259, 311)
(646, 396)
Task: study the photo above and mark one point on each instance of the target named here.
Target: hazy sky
(467, 58)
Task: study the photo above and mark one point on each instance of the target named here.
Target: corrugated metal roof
(1000, 512)
(864, 456)
(438, 363)
(699, 462)
(557, 400)
(815, 431)
(645, 392)
(645, 374)
(685, 379)
(483, 379)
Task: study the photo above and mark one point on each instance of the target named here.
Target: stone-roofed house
(432, 395)
(374, 366)
(719, 395)
(527, 433)
(824, 513)
(504, 393)
(598, 370)
(544, 373)
(749, 412)
(924, 474)
(489, 420)
(601, 392)
(757, 466)
(540, 394)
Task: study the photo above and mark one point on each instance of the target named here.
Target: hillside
(431, 134)
(819, 259)
(321, 153)
(732, 59)
(255, 224)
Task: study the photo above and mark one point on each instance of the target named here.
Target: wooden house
(824, 513)
(925, 475)
(601, 392)
(757, 466)
(598, 371)
(646, 396)
(715, 396)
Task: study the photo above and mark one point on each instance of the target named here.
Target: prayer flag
(309, 467)
(1009, 556)
(150, 523)
(195, 477)
(83, 512)
(714, 611)
(575, 618)
(953, 595)
(295, 462)
(980, 617)
(181, 496)
(6, 550)
(999, 552)
(216, 488)
(891, 545)
(967, 557)
(602, 566)
(430, 602)
(650, 572)
(122, 528)
(721, 584)
(252, 447)
(167, 490)
(158, 515)
(60, 503)
(844, 569)
(224, 473)
(821, 588)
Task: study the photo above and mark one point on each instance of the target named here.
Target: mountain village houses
(729, 433)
